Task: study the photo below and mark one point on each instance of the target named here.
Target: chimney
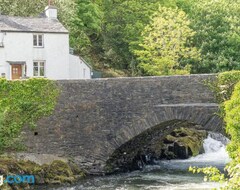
(51, 11)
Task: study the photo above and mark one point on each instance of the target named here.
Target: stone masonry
(95, 117)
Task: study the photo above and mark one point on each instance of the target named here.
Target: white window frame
(38, 41)
(39, 68)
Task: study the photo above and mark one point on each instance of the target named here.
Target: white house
(38, 47)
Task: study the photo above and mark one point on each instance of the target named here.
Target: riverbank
(163, 175)
(58, 172)
(63, 174)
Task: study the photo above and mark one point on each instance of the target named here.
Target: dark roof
(30, 24)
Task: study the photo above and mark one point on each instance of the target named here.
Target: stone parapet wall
(95, 117)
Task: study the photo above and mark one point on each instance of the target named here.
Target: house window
(38, 40)
(38, 68)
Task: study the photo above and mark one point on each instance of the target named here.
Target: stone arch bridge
(93, 118)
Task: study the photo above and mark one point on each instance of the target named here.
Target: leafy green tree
(217, 34)
(83, 18)
(124, 21)
(86, 22)
(22, 7)
(108, 32)
(166, 42)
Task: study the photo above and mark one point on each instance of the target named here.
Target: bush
(23, 103)
(224, 85)
(232, 119)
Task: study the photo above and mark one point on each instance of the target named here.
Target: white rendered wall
(4, 66)
(19, 47)
(78, 69)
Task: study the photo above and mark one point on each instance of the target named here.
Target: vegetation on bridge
(229, 92)
(23, 103)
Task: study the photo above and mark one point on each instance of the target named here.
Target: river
(165, 175)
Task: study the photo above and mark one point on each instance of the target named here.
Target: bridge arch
(162, 121)
(93, 118)
(204, 115)
(154, 144)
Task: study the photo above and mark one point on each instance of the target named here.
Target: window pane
(35, 40)
(35, 71)
(42, 71)
(35, 64)
(40, 40)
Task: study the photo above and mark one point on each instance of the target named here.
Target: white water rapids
(215, 155)
(165, 175)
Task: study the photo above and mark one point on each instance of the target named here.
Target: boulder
(184, 143)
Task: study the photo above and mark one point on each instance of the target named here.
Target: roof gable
(30, 24)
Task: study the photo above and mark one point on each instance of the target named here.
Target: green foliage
(83, 22)
(233, 170)
(231, 181)
(22, 7)
(215, 24)
(23, 103)
(232, 119)
(166, 42)
(217, 34)
(223, 86)
(227, 82)
(124, 21)
(212, 174)
(60, 171)
(107, 33)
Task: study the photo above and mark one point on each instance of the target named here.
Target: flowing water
(165, 175)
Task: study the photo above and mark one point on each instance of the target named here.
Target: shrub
(232, 119)
(224, 85)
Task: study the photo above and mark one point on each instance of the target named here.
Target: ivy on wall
(22, 103)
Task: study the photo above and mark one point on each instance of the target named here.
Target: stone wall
(95, 117)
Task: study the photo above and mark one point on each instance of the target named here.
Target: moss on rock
(58, 172)
(192, 139)
(156, 144)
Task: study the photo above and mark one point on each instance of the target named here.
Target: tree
(166, 43)
(123, 23)
(22, 7)
(217, 34)
(87, 21)
(83, 18)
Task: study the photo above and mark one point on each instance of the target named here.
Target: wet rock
(58, 172)
(186, 143)
(180, 151)
(180, 143)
